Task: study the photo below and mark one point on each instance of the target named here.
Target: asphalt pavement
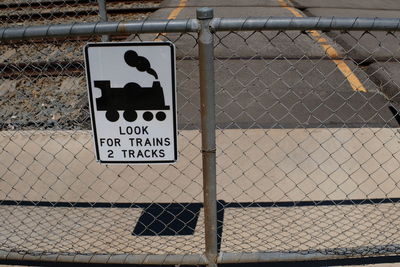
(288, 79)
(357, 5)
(378, 51)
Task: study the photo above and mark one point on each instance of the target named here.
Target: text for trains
(140, 147)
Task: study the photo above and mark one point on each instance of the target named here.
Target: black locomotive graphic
(132, 97)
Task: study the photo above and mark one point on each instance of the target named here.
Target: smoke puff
(139, 62)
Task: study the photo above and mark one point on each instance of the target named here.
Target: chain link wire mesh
(307, 143)
(55, 198)
(307, 153)
(42, 12)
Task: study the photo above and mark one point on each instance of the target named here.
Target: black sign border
(91, 106)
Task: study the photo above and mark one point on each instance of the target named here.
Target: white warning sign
(132, 100)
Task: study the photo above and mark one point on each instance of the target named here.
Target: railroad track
(18, 17)
(56, 40)
(42, 81)
(42, 12)
(50, 56)
(52, 3)
(39, 69)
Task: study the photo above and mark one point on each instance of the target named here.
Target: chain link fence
(62, 200)
(25, 13)
(43, 12)
(307, 143)
(307, 150)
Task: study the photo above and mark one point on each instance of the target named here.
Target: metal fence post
(207, 98)
(103, 18)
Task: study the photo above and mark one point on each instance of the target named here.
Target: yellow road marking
(173, 15)
(331, 52)
(284, 4)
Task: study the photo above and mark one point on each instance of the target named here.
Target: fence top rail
(98, 28)
(306, 23)
(191, 25)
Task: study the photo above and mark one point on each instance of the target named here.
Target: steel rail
(47, 3)
(17, 17)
